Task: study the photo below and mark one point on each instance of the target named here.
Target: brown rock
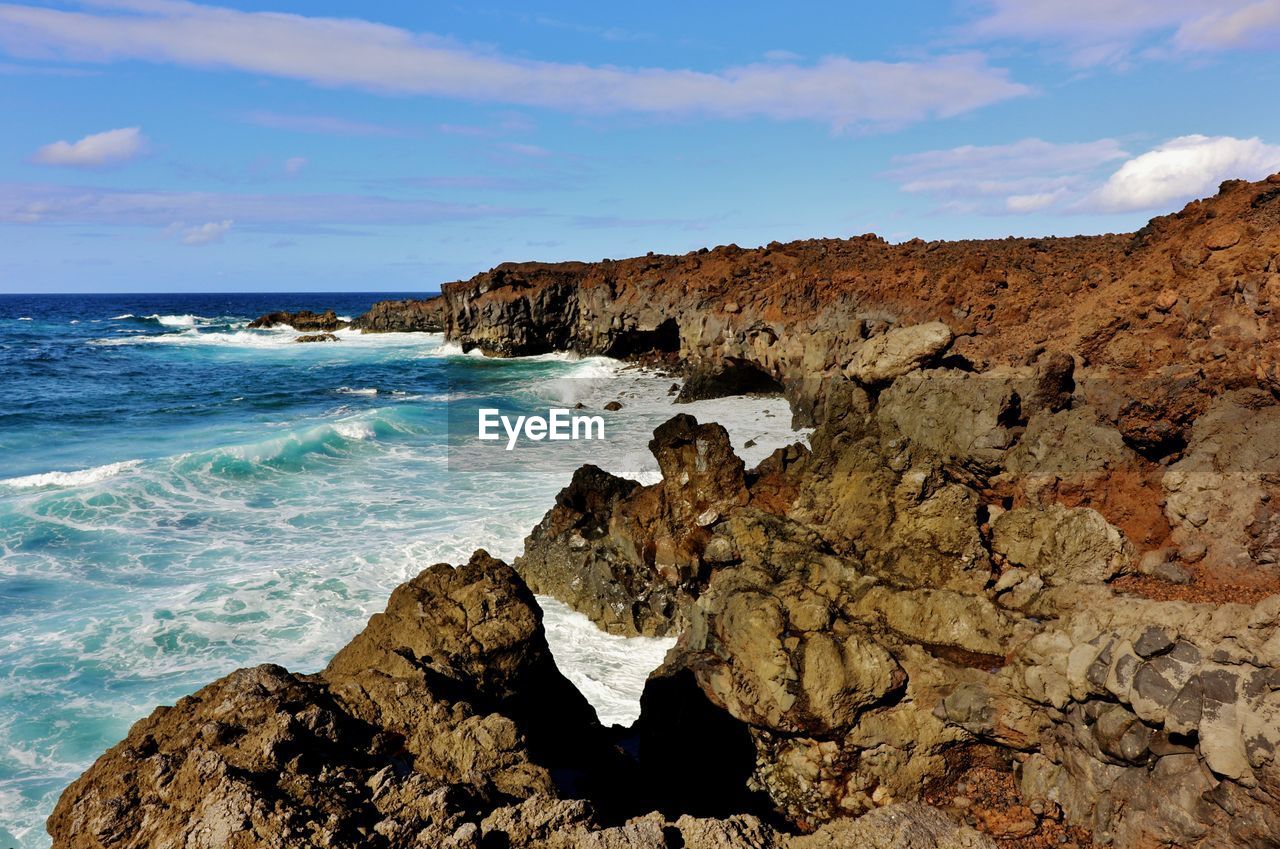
(1166, 300)
(301, 320)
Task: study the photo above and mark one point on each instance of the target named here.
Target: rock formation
(302, 320)
(1023, 578)
(426, 316)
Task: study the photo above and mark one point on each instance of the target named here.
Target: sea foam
(80, 477)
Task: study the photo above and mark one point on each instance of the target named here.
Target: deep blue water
(180, 496)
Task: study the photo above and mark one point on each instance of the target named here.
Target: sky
(161, 145)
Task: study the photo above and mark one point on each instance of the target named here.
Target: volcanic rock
(425, 316)
(899, 351)
(950, 568)
(301, 320)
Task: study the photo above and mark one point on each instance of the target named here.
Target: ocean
(181, 496)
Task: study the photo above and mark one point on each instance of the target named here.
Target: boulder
(899, 351)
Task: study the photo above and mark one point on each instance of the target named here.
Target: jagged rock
(301, 320)
(1220, 495)
(966, 421)
(447, 701)
(946, 569)
(221, 768)
(901, 350)
(632, 557)
(317, 337)
(1073, 458)
(699, 468)
(903, 826)
(590, 554)
(425, 316)
(1062, 546)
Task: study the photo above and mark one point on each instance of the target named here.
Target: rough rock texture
(898, 351)
(1026, 570)
(627, 556)
(449, 701)
(426, 316)
(443, 724)
(317, 337)
(301, 320)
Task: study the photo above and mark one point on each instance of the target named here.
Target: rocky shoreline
(1020, 589)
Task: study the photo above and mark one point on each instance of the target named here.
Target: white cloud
(94, 151)
(1183, 169)
(1023, 176)
(1033, 175)
(201, 234)
(836, 90)
(294, 164)
(1099, 32)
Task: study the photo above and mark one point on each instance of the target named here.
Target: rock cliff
(1021, 585)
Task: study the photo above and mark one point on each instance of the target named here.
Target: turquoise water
(181, 496)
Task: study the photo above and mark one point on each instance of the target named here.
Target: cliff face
(425, 316)
(1187, 299)
(1026, 572)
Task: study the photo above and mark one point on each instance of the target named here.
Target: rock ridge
(1025, 570)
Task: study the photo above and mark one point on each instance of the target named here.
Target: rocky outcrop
(446, 704)
(317, 337)
(443, 724)
(302, 320)
(1025, 570)
(425, 316)
(630, 557)
(1164, 317)
(897, 352)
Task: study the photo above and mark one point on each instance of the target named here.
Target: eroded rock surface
(1031, 537)
(302, 320)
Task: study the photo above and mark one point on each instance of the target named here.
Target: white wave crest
(356, 390)
(452, 349)
(177, 320)
(354, 430)
(81, 477)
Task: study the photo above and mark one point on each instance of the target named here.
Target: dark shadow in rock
(663, 339)
(694, 757)
(731, 376)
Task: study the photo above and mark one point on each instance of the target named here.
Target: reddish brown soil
(980, 790)
(1214, 585)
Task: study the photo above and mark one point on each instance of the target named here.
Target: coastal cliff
(1021, 586)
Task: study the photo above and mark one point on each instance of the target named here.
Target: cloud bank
(359, 54)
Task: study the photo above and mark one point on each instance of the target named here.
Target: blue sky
(157, 145)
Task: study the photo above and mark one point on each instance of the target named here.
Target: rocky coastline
(1020, 588)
